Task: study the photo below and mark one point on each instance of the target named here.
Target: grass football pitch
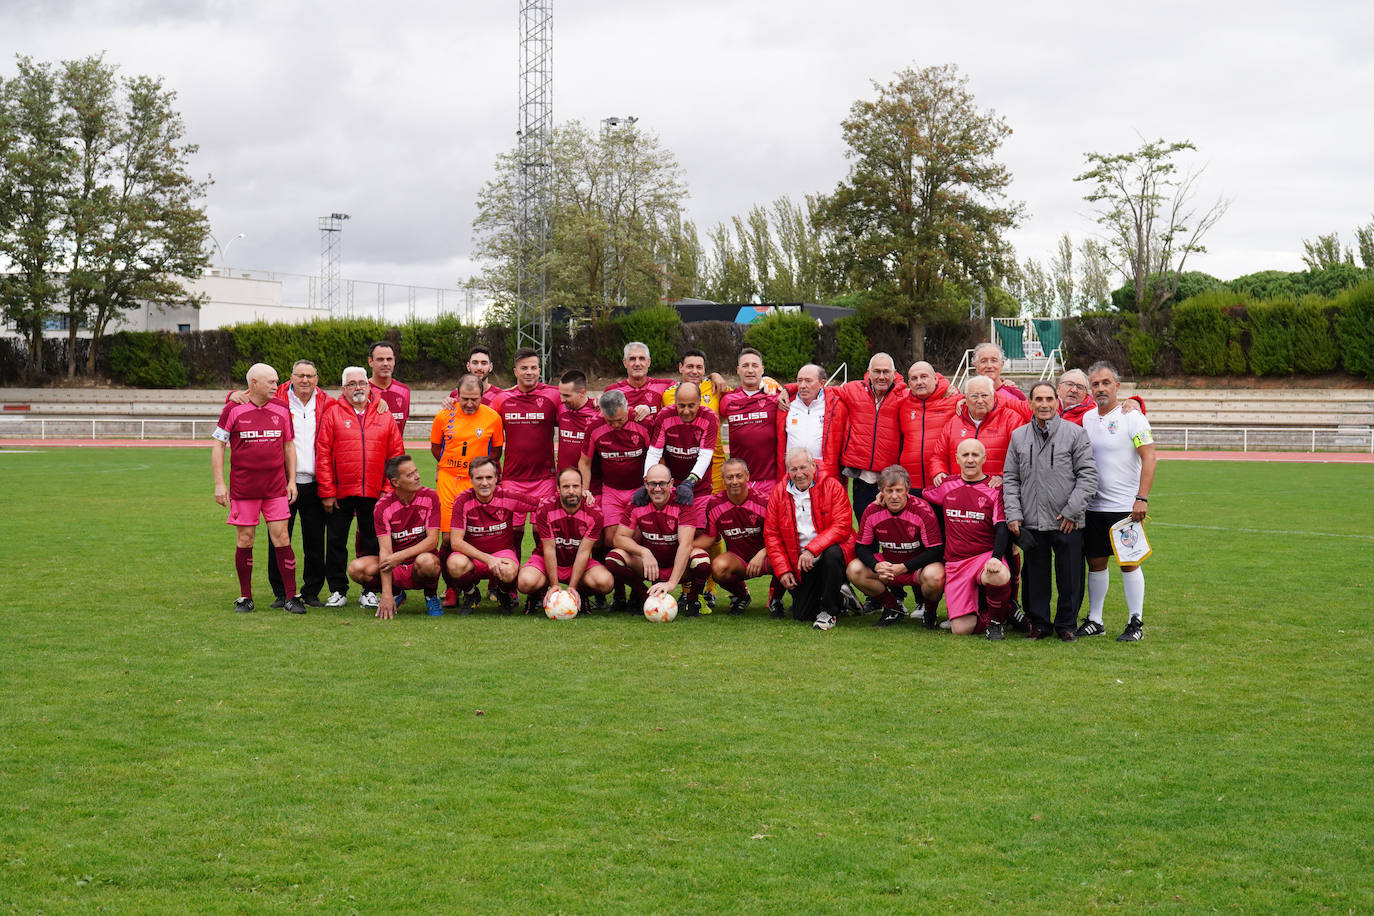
(163, 754)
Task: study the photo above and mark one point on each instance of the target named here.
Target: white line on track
(1283, 531)
(20, 451)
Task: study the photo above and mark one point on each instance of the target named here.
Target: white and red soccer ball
(561, 604)
(661, 608)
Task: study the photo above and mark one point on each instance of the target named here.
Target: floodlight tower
(534, 194)
(331, 252)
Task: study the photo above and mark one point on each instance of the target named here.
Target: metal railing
(96, 428)
(1266, 438)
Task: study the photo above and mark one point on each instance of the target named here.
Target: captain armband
(220, 435)
(1142, 438)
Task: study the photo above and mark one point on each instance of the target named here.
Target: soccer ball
(561, 604)
(661, 608)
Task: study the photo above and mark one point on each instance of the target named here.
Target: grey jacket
(1045, 478)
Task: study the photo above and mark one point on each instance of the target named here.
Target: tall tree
(920, 218)
(617, 202)
(1062, 274)
(1145, 206)
(1035, 289)
(1094, 280)
(1326, 252)
(1364, 238)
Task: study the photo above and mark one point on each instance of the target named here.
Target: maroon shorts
(536, 561)
(481, 570)
(403, 577)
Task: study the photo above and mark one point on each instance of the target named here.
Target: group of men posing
(869, 488)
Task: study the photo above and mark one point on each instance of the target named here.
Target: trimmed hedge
(1206, 332)
(1356, 330)
(787, 341)
(1315, 349)
(149, 359)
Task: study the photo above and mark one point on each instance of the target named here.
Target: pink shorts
(482, 571)
(540, 491)
(961, 585)
(614, 505)
(762, 489)
(403, 577)
(245, 512)
(536, 561)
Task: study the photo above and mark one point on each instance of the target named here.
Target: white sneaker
(824, 621)
(368, 599)
(945, 624)
(335, 600)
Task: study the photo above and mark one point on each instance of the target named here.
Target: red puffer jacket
(921, 421)
(831, 515)
(350, 454)
(863, 436)
(994, 432)
(1075, 413)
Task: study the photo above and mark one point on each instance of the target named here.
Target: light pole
(225, 247)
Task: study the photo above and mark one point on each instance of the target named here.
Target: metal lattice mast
(331, 254)
(534, 196)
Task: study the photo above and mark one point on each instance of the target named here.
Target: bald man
(865, 435)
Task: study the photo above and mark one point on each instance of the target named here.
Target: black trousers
(1065, 553)
(863, 496)
(311, 510)
(336, 545)
(819, 589)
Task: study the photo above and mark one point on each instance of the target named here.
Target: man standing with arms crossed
(1124, 452)
(262, 480)
(866, 430)
(1048, 478)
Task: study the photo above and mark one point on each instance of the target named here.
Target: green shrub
(1203, 332)
(851, 345)
(1271, 336)
(1314, 336)
(787, 341)
(148, 359)
(1356, 330)
(659, 327)
(1143, 349)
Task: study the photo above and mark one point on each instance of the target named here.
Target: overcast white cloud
(394, 113)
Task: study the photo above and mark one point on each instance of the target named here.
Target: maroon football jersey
(406, 524)
(650, 394)
(528, 422)
(657, 528)
(257, 459)
(619, 454)
(397, 398)
(972, 511)
(487, 526)
(567, 529)
(682, 444)
(753, 421)
(741, 527)
(573, 426)
(901, 536)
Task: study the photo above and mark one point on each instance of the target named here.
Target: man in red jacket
(809, 534)
(865, 433)
(352, 449)
(983, 416)
(929, 404)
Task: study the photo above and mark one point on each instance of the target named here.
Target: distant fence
(1222, 438)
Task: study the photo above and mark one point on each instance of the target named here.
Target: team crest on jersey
(348, 424)
(1111, 427)
(479, 432)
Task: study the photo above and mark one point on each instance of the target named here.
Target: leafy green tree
(920, 218)
(1035, 287)
(1325, 252)
(1149, 221)
(770, 255)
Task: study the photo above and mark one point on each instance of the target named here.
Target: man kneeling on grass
(654, 544)
(977, 581)
(736, 517)
(483, 537)
(899, 544)
(566, 530)
(407, 524)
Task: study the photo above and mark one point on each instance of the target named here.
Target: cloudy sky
(394, 112)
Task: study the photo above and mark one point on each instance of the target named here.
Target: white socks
(1098, 582)
(1134, 584)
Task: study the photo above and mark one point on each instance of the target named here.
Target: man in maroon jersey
(899, 544)
(612, 465)
(381, 359)
(644, 395)
(567, 529)
(684, 440)
(977, 580)
(576, 416)
(262, 480)
(529, 420)
(735, 516)
(654, 544)
(482, 534)
(407, 525)
(755, 422)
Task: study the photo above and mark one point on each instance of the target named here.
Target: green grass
(162, 754)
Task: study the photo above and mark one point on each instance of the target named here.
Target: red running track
(1297, 457)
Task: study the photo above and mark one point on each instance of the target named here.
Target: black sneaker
(708, 598)
(775, 608)
(870, 606)
(597, 603)
(279, 603)
(621, 606)
(890, 616)
(850, 603)
(690, 607)
(1134, 632)
(1089, 628)
(1037, 631)
(1019, 621)
(294, 606)
(534, 602)
(468, 601)
(995, 631)
(634, 607)
(738, 605)
(311, 601)
(929, 618)
(244, 606)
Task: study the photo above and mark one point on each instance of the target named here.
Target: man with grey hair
(643, 394)
(262, 480)
(1049, 476)
(866, 433)
(988, 361)
(612, 468)
(808, 531)
(1074, 402)
(807, 420)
